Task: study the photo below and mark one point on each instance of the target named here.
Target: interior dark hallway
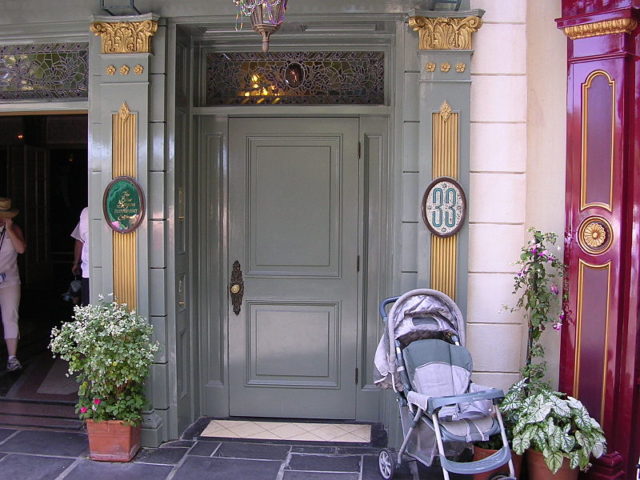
(43, 169)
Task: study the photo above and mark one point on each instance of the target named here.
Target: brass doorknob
(235, 288)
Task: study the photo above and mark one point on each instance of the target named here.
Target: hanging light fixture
(266, 16)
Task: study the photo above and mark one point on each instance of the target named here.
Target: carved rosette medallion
(460, 67)
(110, 70)
(125, 37)
(445, 67)
(138, 69)
(430, 67)
(595, 235)
(124, 70)
(606, 27)
(445, 33)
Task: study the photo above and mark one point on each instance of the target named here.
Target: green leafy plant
(539, 283)
(109, 350)
(553, 423)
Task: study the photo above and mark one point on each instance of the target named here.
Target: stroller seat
(435, 369)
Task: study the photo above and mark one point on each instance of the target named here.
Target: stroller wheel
(386, 464)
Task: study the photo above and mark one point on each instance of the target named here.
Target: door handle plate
(236, 287)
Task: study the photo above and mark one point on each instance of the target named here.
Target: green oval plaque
(123, 204)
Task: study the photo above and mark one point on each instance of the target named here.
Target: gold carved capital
(125, 37)
(445, 33)
(606, 27)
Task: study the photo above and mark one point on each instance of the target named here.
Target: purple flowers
(97, 401)
(554, 289)
(557, 326)
(83, 409)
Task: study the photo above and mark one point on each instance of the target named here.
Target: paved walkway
(53, 455)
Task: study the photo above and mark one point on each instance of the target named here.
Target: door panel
(293, 227)
(29, 174)
(295, 197)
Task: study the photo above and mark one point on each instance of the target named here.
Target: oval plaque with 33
(444, 207)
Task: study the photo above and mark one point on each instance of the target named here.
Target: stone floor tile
(163, 456)
(16, 466)
(370, 470)
(204, 449)
(313, 449)
(253, 450)
(294, 475)
(324, 463)
(178, 443)
(357, 451)
(60, 444)
(87, 469)
(5, 433)
(196, 468)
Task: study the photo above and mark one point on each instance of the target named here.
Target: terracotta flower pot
(538, 470)
(480, 453)
(112, 441)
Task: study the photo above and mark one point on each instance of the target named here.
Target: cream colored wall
(498, 188)
(546, 133)
(517, 170)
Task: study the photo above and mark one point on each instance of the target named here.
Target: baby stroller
(422, 357)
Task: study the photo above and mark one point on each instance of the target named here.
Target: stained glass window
(303, 78)
(44, 71)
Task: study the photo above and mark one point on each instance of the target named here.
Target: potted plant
(549, 425)
(557, 429)
(537, 282)
(489, 447)
(109, 350)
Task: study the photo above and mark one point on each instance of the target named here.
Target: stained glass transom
(309, 78)
(43, 71)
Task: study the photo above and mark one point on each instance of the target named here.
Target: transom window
(309, 78)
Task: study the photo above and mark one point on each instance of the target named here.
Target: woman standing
(11, 244)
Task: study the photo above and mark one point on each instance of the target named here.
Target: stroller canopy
(420, 313)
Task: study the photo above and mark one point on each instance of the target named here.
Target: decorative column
(445, 51)
(126, 166)
(132, 38)
(600, 340)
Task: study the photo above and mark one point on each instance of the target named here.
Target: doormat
(305, 432)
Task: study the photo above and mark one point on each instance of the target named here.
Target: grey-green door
(293, 219)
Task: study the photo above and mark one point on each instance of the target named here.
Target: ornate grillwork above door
(44, 71)
(302, 78)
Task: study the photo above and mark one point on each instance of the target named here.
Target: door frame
(211, 182)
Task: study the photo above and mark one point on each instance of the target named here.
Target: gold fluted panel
(444, 33)
(445, 142)
(125, 140)
(125, 37)
(606, 27)
(444, 251)
(443, 264)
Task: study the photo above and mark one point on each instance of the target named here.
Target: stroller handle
(383, 307)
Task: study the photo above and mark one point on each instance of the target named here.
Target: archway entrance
(43, 169)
